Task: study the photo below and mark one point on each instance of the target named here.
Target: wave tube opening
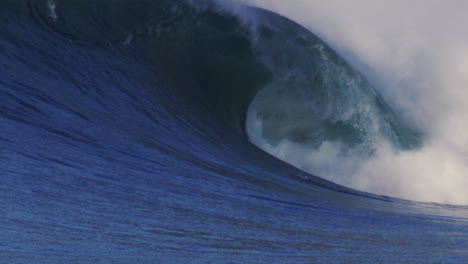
(397, 129)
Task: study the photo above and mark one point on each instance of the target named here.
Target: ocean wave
(123, 139)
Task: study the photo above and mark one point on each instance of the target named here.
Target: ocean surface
(126, 132)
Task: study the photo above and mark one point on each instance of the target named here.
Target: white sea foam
(416, 53)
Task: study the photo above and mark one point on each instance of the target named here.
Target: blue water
(108, 156)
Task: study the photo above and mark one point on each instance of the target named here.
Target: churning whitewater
(142, 132)
(417, 62)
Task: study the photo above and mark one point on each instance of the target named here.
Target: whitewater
(416, 61)
(196, 131)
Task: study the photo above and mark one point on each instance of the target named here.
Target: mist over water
(416, 55)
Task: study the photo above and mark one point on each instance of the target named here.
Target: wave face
(123, 140)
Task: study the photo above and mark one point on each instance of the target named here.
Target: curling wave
(123, 139)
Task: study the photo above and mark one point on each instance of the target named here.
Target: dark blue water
(122, 141)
